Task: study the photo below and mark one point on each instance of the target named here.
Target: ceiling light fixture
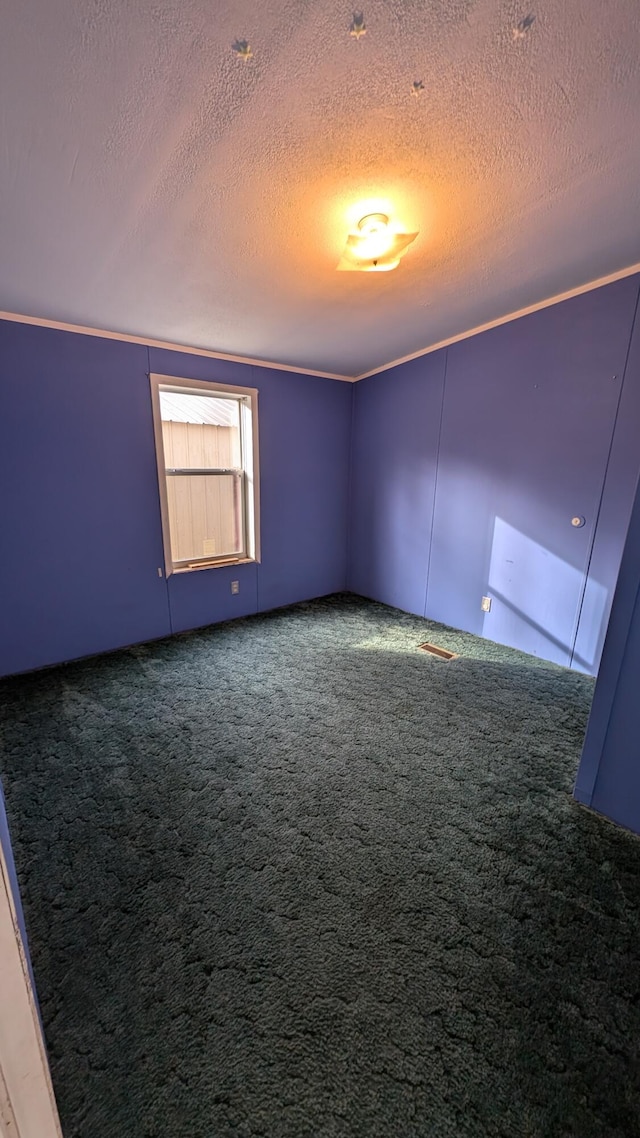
(376, 247)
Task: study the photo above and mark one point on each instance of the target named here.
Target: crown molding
(628, 272)
(148, 342)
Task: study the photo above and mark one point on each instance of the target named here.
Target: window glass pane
(200, 431)
(205, 515)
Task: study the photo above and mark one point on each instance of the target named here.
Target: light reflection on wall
(536, 598)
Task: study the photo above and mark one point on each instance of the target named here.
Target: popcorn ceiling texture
(154, 183)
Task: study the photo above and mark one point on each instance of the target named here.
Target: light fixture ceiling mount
(376, 247)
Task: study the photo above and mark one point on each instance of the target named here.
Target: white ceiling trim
(40, 322)
(619, 275)
(147, 342)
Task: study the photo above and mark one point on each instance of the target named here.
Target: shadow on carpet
(291, 876)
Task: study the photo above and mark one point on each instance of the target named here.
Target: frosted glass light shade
(375, 248)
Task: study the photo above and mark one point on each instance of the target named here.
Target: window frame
(249, 450)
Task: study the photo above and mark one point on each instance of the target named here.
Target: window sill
(212, 565)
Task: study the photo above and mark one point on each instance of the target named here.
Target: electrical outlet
(486, 604)
(235, 587)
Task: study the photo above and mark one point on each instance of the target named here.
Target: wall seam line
(435, 482)
(590, 792)
(257, 565)
(604, 483)
(347, 579)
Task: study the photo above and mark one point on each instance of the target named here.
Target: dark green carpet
(293, 877)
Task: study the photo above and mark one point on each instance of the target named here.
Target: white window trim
(182, 385)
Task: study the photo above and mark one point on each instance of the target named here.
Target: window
(207, 448)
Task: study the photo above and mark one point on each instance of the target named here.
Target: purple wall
(468, 466)
(393, 473)
(80, 516)
(609, 775)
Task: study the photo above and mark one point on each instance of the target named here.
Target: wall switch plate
(486, 604)
(235, 586)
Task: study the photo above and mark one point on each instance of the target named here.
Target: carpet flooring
(290, 876)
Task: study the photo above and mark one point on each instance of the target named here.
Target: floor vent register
(441, 653)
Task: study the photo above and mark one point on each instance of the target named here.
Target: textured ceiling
(153, 183)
